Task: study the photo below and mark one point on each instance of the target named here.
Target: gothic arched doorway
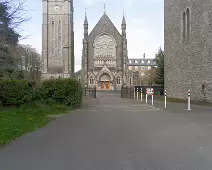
(105, 82)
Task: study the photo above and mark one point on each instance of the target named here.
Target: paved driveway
(109, 133)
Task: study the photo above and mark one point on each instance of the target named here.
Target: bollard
(152, 97)
(137, 93)
(141, 95)
(134, 93)
(165, 98)
(146, 96)
(189, 100)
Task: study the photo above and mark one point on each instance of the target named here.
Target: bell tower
(57, 39)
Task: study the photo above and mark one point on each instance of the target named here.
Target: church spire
(86, 19)
(104, 7)
(86, 25)
(123, 20)
(123, 26)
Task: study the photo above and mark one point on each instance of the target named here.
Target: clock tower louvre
(57, 39)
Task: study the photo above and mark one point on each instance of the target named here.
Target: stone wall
(188, 63)
(57, 53)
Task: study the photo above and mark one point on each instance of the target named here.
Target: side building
(188, 49)
(142, 71)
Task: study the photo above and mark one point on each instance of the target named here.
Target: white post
(137, 93)
(152, 97)
(146, 96)
(165, 98)
(134, 93)
(189, 100)
(141, 95)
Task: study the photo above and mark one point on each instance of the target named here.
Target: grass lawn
(175, 100)
(15, 122)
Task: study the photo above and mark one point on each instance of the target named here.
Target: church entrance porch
(105, 82)
(105, 85)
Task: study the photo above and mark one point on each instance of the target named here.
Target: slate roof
(142, 62)
(104, 19)
(77, 74)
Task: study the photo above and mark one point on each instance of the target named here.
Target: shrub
(67, 91)
(16, 92)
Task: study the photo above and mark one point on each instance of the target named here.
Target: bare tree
(11, 17)
(15, 12)
(148, 78)
(29, 62)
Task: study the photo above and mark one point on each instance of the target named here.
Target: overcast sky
(145, 24)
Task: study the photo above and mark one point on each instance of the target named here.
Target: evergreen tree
(159, 79)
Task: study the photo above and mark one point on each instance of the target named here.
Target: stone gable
(104, 26)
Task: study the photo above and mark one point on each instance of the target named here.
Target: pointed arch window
(118, 81)
(130, 81)
(188, 22)
(53, 37)
(91, 81)
(60, 38)
(184, 25)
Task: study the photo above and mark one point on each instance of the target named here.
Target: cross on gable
(104, 7)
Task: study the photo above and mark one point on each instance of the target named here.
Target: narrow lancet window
(188, 23)
(60, 38)
(53, 36)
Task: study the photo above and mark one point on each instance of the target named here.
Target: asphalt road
(110, 133)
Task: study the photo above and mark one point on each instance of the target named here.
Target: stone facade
(105, 56)
(139, 69)
(188, 48)
(57, 39)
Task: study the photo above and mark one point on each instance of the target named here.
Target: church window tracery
(105, 51)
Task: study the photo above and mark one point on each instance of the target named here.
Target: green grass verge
(176, 100)
(161, 98)
(15, 122)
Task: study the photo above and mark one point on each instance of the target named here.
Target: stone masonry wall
(57, 61)
(188, 64)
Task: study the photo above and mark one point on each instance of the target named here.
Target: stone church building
(105, 62)
(188, 48)
(105, 55)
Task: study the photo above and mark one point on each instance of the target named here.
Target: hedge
(67, 91)
(16, 92)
